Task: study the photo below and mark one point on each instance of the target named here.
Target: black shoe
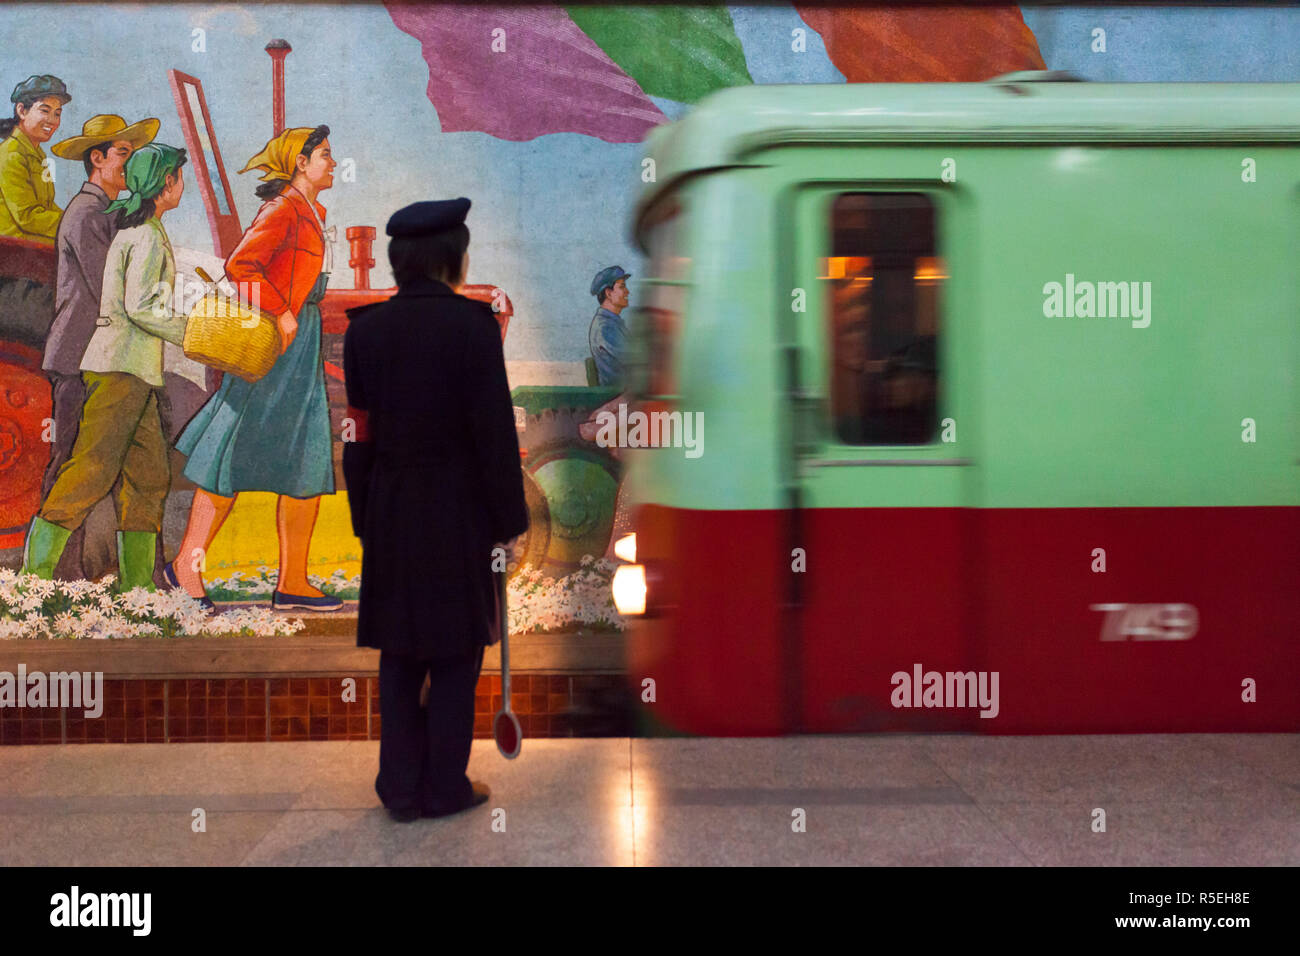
(478, 797)
(173, 582)
(404, 814)
(306, 602)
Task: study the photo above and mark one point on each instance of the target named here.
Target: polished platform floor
(887, 800)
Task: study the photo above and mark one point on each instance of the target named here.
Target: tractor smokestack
(278, 50)
(360, 241)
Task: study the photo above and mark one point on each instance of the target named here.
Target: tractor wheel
(580, 482)
(530, 549)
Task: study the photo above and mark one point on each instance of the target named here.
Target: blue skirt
(272, 434)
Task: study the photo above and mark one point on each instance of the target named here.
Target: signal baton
(505, 726)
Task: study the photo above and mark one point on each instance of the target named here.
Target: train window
(883, 281)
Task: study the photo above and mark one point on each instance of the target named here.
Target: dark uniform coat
(438, 483)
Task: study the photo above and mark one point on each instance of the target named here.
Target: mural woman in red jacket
(272, 434)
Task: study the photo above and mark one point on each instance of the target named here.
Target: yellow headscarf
(276, 159)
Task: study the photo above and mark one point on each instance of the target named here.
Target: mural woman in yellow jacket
(27, 207)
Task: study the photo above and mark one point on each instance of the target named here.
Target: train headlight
(625, 548)
(630, 589)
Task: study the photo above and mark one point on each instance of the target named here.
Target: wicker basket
(227, 334)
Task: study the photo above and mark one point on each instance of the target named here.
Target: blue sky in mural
(1171, 45)
(766, 33)
(548, 213)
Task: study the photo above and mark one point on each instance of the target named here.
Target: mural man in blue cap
(608, 333)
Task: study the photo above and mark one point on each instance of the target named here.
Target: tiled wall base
(217, 710)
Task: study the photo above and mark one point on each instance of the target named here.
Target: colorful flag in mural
(676, 52)
(924, 44)
(522, 72)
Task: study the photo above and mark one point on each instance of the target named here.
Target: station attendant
(434, 483)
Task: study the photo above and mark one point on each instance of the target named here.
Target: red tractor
(26, 311)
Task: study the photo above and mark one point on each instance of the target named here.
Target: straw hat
(106, 128)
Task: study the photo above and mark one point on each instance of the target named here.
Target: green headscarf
(146, 174)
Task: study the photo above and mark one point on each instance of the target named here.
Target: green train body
(1096, 493)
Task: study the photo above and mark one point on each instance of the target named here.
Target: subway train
(968, 408)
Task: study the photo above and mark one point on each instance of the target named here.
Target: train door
(880, 476)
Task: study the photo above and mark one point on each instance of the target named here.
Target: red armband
(362, 422)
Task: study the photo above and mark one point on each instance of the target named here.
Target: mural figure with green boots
(120, 433)
(85, 234)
